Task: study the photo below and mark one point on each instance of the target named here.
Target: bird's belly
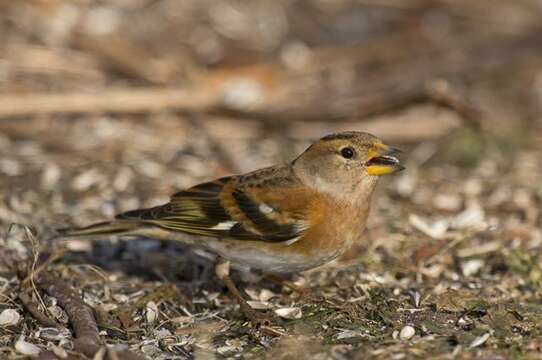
(272, 262)
(270, 258)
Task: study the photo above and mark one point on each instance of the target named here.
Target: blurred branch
(377, 79)
(113, 101)
(385, 81)
(125, 57)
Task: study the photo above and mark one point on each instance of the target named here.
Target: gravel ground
(451, 264)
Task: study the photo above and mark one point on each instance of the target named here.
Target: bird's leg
(222, 269)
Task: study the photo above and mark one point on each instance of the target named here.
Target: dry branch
(84, 325)
(42, 266)
(81, 317)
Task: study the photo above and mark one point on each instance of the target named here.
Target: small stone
(54, 334)
(258, 305)
(121, 298)
(150, 350)
(253, 294)
(407, 333)
(9, 317)
(289, 313)
(109, 307)
(50, 334)
(347, 334)
(50, 176)
(406, 183)
(226, 350)
(26, 348)
(59, 351)
(435, 229)
(162, 333)
(472, 216)
(416, 298)
(58, 313)
(151, 312)
(266, 295)
(472, 267)
(78, 245)
(86, 180)
(447, 202)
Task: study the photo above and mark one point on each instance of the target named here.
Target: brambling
(280, 219)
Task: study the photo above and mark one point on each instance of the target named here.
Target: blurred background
(168, 93)
(106, 106)
(110, 105)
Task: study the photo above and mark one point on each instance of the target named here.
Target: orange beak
(381, 160)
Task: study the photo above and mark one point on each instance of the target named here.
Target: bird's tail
(118, 227)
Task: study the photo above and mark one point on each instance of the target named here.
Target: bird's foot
(256, 317)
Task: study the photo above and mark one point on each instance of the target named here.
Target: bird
(281, 219)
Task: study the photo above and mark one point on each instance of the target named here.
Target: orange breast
(334, 226)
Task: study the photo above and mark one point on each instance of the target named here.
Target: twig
(458, 239)
(35, 271)
(31, 237)
(162, 293)
(84, 325)
(34, 241)
(33, 309)
(81, 317)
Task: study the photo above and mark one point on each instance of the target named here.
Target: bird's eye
(347, 153)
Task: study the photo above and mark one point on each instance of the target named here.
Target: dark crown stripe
(340, 136)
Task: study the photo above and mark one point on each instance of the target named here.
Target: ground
(452, 251)
(450, 266)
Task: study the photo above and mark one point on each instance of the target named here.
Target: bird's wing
(234, 207)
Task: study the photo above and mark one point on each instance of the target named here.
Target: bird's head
(346, 163)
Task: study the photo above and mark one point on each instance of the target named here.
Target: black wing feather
(199, 210)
